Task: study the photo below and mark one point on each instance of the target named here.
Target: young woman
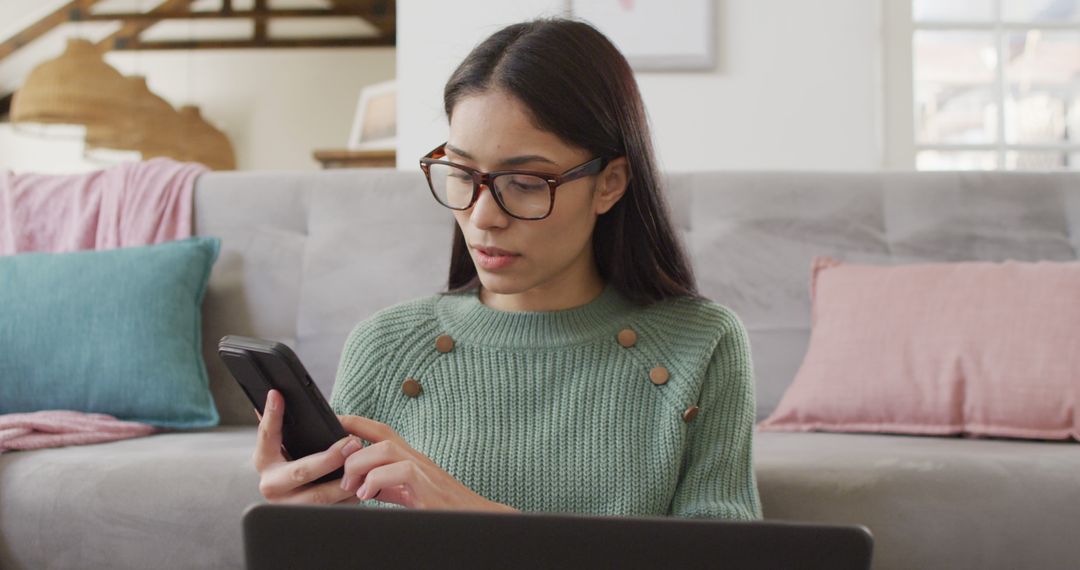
(571, 366)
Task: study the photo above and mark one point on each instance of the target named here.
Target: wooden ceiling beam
(373, 41)
(43, 26)
(130, 31)
(380, 13)
(260, 20)
(268, 14)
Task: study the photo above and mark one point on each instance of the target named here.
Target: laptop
(340, 536)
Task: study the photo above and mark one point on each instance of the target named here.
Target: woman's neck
(566, 292)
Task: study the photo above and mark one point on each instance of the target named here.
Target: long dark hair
(579, 87)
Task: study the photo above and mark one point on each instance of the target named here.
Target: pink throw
(57, 428)
(132, 203)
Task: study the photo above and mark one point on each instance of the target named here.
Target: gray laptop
(291, 536)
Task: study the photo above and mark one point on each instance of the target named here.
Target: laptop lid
(310, 536)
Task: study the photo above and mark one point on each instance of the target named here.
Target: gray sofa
(307, 255)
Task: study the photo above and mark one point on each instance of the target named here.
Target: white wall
(797, 85)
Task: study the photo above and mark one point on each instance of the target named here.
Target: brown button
(689, 414)
(659, 375)
(444, 343)
(627, 338)
(411, 387)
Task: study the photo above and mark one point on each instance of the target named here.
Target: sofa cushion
(114, 332)
(171, 500)
(930, 502)
(940, 348)
(176, 500)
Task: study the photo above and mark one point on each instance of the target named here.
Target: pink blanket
(56, 428)
(133, 203)
(130, 204)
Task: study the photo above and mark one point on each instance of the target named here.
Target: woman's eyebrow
(513, 161)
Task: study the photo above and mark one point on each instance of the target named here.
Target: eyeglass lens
(522, 195)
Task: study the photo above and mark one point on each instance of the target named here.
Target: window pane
(955, 98)
(1034, 160)
(1041, 10)
(1042, 87)
(956, 160)
(1074, 120)
(952, 10)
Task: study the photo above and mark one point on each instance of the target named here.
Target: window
(996, 84)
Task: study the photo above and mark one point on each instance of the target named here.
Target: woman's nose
(486, 211)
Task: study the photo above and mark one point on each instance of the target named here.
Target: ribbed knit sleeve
(718, 475)
(364, 360)
(351, 395)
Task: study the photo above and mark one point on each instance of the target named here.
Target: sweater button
(411, 387)
(444, 343)
(659, 375)
(689, 414)
(627, 338)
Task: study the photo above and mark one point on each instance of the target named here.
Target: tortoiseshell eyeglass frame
(479, 179)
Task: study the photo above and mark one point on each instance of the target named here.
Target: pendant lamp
(142, 121)
(76, 88)
(150, 125)
(202, 142)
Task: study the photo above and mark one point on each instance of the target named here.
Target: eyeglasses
(522, 194)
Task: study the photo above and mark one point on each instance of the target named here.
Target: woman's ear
(611, 185)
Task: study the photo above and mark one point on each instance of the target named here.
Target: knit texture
(546, 411)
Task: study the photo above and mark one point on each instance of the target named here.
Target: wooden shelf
(340, 158)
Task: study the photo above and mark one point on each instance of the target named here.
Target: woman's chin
(502, 284)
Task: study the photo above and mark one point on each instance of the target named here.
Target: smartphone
(259, 365)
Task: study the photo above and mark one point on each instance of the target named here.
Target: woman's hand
(284, 481)
(397, 473)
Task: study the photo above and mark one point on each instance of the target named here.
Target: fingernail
(360, 492)
(346, 481)
(272, 399)
(350, 448)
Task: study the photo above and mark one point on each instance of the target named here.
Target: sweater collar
(466, 318)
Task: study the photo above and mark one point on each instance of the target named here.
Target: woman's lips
(492, 258)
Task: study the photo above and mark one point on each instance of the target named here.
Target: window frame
(901, 145)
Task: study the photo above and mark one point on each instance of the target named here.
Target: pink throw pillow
(972, 348)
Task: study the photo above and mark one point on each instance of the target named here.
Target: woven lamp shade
(141, 121)
(203, 143)
(150, 125)
(77, 88)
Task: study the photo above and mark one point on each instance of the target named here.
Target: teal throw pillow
(114, 331)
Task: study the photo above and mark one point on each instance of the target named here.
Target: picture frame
(632, 26)
(374, 124)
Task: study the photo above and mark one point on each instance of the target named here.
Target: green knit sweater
(557, 412)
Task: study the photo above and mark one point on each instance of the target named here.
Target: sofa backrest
(307, 255)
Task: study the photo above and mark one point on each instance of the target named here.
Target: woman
(571, 366)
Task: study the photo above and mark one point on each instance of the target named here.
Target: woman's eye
(527, 185)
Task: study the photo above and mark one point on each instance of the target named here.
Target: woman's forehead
(495, 128)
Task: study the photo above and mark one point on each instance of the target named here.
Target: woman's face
(494, 131)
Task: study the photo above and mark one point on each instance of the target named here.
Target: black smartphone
(259, 365)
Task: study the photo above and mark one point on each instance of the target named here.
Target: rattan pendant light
(143, 121)
(151, 126)
(202, 142)
(120, 114)
(77, 88)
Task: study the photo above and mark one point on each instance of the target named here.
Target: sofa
(306, 255)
